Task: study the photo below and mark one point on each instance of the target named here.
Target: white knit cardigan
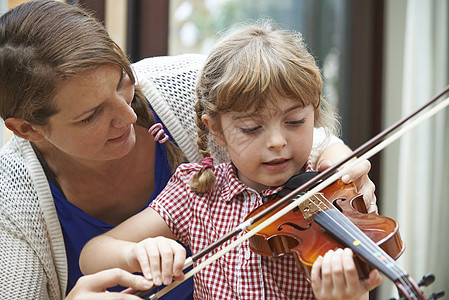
(32, 252)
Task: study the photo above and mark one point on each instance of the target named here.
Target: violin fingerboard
(348, 234)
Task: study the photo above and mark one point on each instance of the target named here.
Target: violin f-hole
(296, 226)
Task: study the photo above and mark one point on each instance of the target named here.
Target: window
(193, 25)
(345, 36)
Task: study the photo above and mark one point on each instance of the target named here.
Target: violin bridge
(312, 205)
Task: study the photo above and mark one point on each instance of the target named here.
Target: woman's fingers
(94, 286)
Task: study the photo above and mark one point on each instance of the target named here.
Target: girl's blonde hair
(245, 69)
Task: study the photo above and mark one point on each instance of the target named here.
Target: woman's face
(95, 119)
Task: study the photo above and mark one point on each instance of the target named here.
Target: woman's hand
(160, 259)
(358, 175)
(335, 276)
(94, 286)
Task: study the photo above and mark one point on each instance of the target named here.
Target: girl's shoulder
(187, 168)
(186, 171)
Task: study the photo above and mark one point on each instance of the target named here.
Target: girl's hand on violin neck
(160, 259)
(335, 276)
(358, 175)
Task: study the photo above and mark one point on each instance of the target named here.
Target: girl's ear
(214, 128)
(23, 129)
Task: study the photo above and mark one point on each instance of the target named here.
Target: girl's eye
(296, 122)
(251, 130)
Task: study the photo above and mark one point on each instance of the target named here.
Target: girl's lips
(276, 161)
(277, 164)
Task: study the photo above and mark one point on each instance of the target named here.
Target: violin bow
(326, 177)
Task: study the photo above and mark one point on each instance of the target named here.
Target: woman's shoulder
(168, 83)
(18, 159)
(10, 148)
(17, 172)
(152, 66)
(28, 216)
(22, 181)
(12, 158)
(24, 227)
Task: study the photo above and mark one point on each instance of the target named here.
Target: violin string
(349, 165)
(260, 226)
(256, 229)
(365, 242)
(389, 262)
(404, 280)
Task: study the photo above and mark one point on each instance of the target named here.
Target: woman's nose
(124, 115)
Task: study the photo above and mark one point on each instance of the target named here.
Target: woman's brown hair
(45, 42)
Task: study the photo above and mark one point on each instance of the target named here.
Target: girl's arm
(143, 243)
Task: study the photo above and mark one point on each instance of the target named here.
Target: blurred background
(380, 59)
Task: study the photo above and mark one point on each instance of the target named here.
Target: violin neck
(351, 236)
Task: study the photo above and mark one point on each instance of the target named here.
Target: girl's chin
(278, 181)
(260, 186)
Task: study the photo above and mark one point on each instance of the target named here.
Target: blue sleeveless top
(78, 227)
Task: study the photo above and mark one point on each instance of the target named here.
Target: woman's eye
(90, 118)
(122, 78)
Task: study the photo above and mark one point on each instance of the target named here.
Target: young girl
(259, 95)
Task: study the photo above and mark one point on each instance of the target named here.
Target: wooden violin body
(297, 232)
(336, 218)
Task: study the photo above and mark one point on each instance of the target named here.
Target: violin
(334, 218)
(336, 215)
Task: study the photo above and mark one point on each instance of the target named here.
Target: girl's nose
(276, 138)
(125, 115)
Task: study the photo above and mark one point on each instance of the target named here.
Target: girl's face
(270, 146)
(95, 119)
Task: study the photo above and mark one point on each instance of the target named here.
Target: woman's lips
(123, 137)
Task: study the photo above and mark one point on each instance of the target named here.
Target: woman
(81, 148)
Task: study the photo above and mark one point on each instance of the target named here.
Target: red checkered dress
(199, 220)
